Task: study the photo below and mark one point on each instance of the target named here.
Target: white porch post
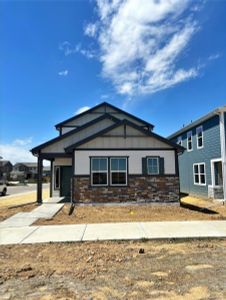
(223, 154)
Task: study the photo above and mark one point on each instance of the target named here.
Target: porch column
(51, 179)
(39, 182)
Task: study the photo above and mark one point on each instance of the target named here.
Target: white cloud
(22, 142)
(69, 49)
(81, 110)
(90, 30)
(63, 73)
(141, 43)
(214, 56)
(19, 151)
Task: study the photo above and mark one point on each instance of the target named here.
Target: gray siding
(211, 150)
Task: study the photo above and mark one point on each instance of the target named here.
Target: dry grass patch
(132, 213)
(28, 197)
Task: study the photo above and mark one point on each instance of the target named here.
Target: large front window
(108, 171)
(99, 171)
(118, 170)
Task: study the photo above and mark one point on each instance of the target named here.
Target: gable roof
(104, 104)
(71, 132)
(27, 164)
(198, 121)
(126, 122)
(4, 162)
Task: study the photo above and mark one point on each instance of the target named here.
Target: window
(118, 171)
(153, 165)
(179, 140)
(199, 173)
(199, 137)
(99, 171)
(57, 178)
(189, 141)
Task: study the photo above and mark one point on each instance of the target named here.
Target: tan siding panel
(60, 145)
(121, 142)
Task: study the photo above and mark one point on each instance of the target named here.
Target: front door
(65, 181)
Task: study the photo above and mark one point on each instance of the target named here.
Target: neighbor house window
(189, 141)
(152, 165)
(199, 137)
(118, 171)
(57, 178)
(199, 173)
(99, 171)
(179, 140)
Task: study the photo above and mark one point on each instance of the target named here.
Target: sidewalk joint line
(29, 234)
(84, 232)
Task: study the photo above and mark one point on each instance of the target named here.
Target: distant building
(25, 170)
(28, 171)
(202, 166)
(5, 169)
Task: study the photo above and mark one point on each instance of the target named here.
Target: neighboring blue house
(202, 165)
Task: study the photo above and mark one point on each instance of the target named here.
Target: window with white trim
(199, 173)
(99, 171)
(199, 137)
(179, 140)
(189, 141)
(152, 165)
(118, 171)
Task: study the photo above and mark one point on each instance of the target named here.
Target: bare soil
(114, 270)
(8, 211)
(133, 213)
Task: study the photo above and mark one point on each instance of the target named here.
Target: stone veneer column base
(162, 189)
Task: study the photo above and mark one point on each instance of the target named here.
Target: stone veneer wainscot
(164, 189)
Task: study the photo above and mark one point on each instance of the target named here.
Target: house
(25, 170)
(5, 169)
(28, 171)
(106, 154)
(202, 165)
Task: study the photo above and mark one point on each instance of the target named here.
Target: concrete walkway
(45, 211)
(112, 231)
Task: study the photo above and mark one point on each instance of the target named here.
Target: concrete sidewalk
(112, 231)
(22, 219)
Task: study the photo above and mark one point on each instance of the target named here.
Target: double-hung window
(99, 171)
(199, 137)
(189, 141)
(199, 174)
(152, 165)
(118, 171)
(179, 140)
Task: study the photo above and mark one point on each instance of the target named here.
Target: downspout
(223, 154)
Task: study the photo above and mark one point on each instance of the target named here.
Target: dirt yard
(114, 270)
(21, 199)
(6, 212)
(133, 213)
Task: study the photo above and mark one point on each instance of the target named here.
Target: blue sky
(163, 61)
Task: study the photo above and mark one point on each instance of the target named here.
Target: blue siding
(211, 150)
